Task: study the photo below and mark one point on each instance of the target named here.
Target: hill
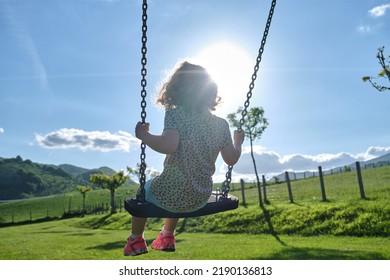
(382, 160)
(83, 173)
(23, 178)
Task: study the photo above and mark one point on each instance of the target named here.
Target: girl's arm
(166, 143)
(232, 152)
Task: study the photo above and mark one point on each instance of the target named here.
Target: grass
(61, 240)
(55, 206)
(343, 227)
(340, 189)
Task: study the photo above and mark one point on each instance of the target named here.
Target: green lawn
(343, 227)
(340, 189)
(61, 240)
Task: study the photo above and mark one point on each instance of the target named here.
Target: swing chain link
(226, 183)
(142, 176)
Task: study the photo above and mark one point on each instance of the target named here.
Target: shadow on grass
(108, 246)
(100, 222)
(297, 204)
(80, 234)
(293, 253)
(182, 227)
(267, 217)
(117, 244)
(28, 222)
(270, 226)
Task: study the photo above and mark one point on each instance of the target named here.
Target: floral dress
(186, 181)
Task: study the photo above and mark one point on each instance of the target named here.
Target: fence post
(70, 203)
(289, 188)
(265, 190)
(243, 191)
(322, 183)
(360, 180)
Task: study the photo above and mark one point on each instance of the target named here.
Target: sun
(231, 68)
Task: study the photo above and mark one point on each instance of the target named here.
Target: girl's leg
(170, 225)
(165, 240)
(138, 226)
(136, 243)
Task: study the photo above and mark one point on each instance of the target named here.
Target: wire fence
(332, 171)
(358, 181)
(72, 210)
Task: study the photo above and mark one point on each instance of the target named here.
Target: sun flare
(231, 68)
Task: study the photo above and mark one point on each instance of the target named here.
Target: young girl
(192, 139)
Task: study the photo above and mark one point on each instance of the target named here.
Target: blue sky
(70, 77)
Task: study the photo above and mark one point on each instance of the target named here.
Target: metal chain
(142, 177)
(226, 183)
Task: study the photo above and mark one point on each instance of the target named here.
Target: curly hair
(190, 87)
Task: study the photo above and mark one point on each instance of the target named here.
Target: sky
(70, 76)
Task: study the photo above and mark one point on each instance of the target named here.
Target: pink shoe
(164, 242)
(135, 247)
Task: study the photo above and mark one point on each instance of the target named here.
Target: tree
(111, 183)
(384, 73)
(254, 125)
(149, 173)
(83, 190)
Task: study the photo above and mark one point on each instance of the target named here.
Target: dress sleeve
(226, 137)
(171, 119)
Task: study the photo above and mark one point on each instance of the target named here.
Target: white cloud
(1, 130)
(269, 162)
(379, 11)
(376, 12)
(103, 141)
(374, 152)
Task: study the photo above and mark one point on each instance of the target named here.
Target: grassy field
(62, 240)
(340, 189)
(56, 206)
(344, 227)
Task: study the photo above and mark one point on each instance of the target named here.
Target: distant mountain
(379, 160)
(83, 173)
(72, 169)
(382, 160)
(23, 178)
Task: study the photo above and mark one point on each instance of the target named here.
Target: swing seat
(216, 203)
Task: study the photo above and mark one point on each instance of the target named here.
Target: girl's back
(186, 180)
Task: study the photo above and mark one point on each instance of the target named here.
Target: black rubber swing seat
(216, 203)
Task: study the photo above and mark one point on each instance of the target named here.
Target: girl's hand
(232, 152)
(239, 136)
(141, 129)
